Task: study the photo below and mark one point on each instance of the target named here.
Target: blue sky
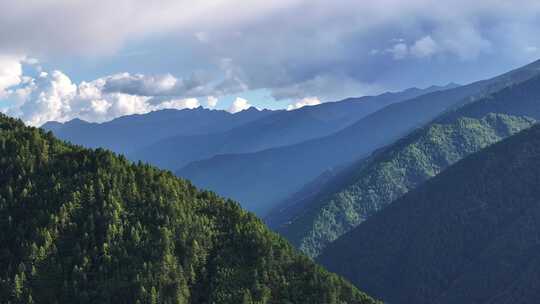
(99, 59)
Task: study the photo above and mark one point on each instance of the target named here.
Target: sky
(101, 59)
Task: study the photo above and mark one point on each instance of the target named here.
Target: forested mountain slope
(469, 235)
(367, 187)
(260, 180)
(278, 129)
(87, 226)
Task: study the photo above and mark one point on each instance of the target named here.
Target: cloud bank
(10, 73)
(294, 49)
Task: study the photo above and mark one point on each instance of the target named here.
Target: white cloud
(48, 97)
(308, 101)
(198, 85)
(53, 96)
(211, 102)
(142, 85)
(202, 37)
(30, 60)
(424, 47)
(464, 43)
(188, 103)
(462, 39)
(421, 48)
(399, 51)
(238, 105)
(10, 73)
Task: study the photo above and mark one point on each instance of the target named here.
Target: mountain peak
(77, 121)
(52, 126)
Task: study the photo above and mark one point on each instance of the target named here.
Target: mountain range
(171, 139)
(280, 128)
(118, 134)
(364, 188)
(260, 180)
(419, 196)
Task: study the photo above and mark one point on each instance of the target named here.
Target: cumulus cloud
(308, 101)
(399, 51)
(238, 105)
(54, 97)
(211, 102)
(10, 73)
(188, 103)
(142, 85)
(467, 47)
(424, 47)
(197, 85)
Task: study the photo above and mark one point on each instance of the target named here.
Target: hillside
(259, 181)
(279, 129)
(87, 226)
(369, 186)
(118, 134)
(469, 235)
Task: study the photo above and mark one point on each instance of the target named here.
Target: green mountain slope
(469, 235)
(367, 187)
(83, 226)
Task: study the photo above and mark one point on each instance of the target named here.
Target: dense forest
(88, 226)
(368, 186)
(469, 235)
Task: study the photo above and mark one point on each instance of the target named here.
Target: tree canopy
(88, 226)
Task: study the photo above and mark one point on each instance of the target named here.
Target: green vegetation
(394, 172)
(370, 185)
(469, 235)
(85, 226)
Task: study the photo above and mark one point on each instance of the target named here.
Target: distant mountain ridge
(172, 138)
(469, 235)
(281, 128)
(264, 178)
(129, 133)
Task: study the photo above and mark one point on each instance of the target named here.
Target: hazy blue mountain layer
(129, 133)
(278, 129)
